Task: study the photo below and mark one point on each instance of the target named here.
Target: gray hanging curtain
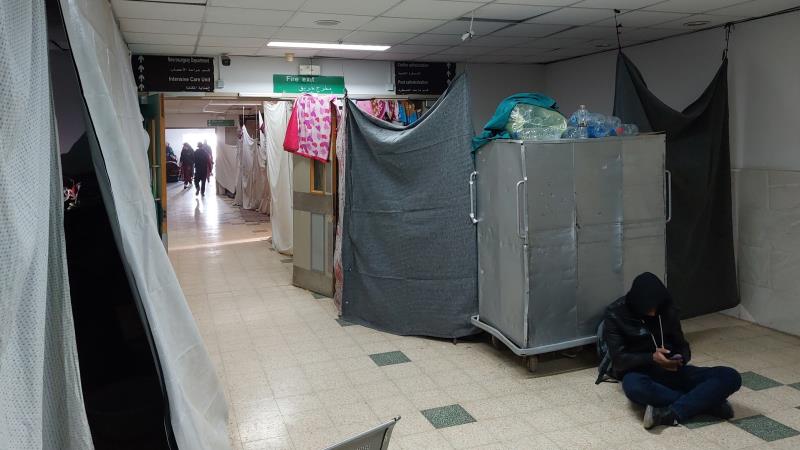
(409, 249)
(701, 269)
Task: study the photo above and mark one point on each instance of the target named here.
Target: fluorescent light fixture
(321, 45)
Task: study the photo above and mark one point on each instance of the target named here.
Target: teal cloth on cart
(495, 128)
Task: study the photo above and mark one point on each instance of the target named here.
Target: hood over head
(647, 292)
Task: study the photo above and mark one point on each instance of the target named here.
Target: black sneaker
(654, 417)
(722, 411)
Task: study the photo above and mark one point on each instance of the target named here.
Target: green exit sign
(220, 123)
(302, 84)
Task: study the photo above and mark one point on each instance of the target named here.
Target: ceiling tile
(493, 58)
(535, 59)
(157, 38)
(155, 49)
(281, 52)
(401, 25)
(391, 56)
(522, 51)
(435, 39)
(286, 5)
(636, 19)
(554, 42)
(309, 34)
(589, 32)
(438, 58)
(539, 2)
(495, 41)
(421, 49)
(574, 16)
(464, 50)
(240, 42)
(246, 16)
(531, 30)
(227, 29)
(511, 12)
(618, 4)
(218, 50)
(377, 37)
(712, 21)
(163, 11)
(755, 8)
(646, 34)
(347, 22)
(359, 7)
(339, 54)
(432, 9)
(159, 26)
(691, 6)
(460, 27)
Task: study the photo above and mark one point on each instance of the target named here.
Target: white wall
(489, 83)
(764, 87)
(764, 94)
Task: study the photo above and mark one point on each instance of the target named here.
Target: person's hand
(661, 358)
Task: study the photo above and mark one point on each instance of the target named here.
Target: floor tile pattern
(758, 382)
(389, 358)
(298, 377)
(447, 416)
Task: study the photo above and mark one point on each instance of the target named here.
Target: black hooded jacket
(632, 336)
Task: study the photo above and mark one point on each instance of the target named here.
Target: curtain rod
(723, 25)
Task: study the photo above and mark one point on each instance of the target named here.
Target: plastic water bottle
(583, 122)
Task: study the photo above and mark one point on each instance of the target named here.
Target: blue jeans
(688, 392)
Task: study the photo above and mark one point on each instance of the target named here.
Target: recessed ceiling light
(326, 46)
(327, 22)
(696, 23)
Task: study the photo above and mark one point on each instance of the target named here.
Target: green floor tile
(447, 416)
(701, 421)
(318, 296)
(758, 382)
(343, 322)
(795, 385)
(389, 358)
(765, 428)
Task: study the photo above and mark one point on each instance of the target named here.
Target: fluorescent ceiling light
(321, 45)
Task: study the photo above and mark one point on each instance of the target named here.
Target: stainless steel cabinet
(563, 228)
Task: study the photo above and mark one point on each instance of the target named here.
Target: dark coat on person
(187, 164)
(632, 336)
(202, 162)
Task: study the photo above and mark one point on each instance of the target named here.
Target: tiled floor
(298, 378)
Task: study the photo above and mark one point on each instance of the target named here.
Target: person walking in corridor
(187, 165)
(203, 162)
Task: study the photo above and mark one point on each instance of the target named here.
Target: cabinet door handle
(473, 206)
(522, 228)
(668, 194)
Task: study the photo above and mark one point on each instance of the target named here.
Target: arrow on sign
(141, 87)
(141, 77)
(141, 58)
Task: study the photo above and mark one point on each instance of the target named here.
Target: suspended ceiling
(506, 31)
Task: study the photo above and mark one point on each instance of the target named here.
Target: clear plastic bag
(534, 123)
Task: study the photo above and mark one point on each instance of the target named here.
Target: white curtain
(197, 405)
(255, 189)
(41, 405)
(279, 163)
(226, 167)
(260, 171)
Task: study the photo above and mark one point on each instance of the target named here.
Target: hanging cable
(618, 27)
(728, 28)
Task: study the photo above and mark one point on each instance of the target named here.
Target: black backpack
(604, 368)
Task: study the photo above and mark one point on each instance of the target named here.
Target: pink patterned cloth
(313, 126)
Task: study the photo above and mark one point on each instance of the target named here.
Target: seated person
(649, 354)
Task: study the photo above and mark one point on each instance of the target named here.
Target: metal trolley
(563, 228)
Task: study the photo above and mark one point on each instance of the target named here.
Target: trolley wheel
(532, 362)
(496, 343)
